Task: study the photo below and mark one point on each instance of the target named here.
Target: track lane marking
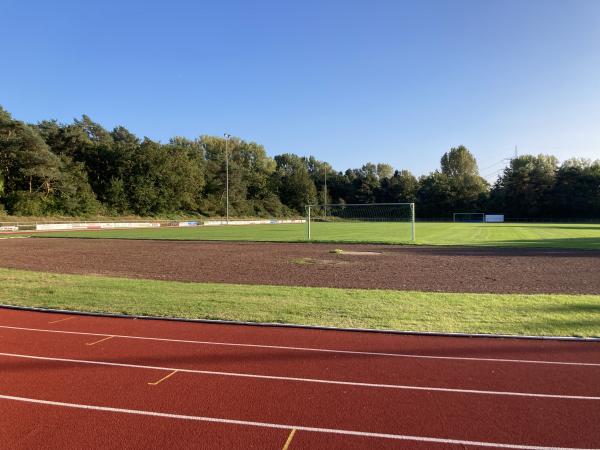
(399, 437)
(101, 340)
(318, 350)
(289, 439)
(62, 320)
(306, 380)
(156, 383)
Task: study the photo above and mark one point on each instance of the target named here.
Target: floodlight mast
(227, 137)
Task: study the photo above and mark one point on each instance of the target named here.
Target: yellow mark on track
(163, 379)
(101, 340)
(62, 320)
(289, 440)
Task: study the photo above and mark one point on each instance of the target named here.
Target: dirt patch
(437, 269)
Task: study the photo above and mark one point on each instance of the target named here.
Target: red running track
(92, 382)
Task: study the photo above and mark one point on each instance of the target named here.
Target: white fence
(94, 226)
(12, 227)
(189, 223)
(252, 222)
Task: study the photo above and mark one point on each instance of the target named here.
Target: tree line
(83, 169)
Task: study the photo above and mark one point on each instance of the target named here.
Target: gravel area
(435, 269)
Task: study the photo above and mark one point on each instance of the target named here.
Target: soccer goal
(361, 222)
(469, 217)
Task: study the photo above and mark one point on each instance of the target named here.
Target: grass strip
(559, 315)
(568, 236)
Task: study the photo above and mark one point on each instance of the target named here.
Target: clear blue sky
(347, 81)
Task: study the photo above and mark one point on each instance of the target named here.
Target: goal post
(362, 213)
(468, 217)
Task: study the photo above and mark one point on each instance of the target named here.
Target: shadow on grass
(586, 327)
(574, 308)
(552, 226)
(577, 243)
(538, 248)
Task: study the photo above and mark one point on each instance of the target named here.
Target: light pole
(227, 136)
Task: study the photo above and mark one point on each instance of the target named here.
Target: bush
(23, 203)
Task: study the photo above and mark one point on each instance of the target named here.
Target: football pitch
(543, 235)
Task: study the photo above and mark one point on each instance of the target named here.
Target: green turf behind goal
(469, 217)
(401, 216)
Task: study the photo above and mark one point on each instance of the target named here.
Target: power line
(493, 174)
(483, 169)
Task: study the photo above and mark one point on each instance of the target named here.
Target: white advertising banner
(93, 226)
(252, 222)
(191, 223)
(494, 218)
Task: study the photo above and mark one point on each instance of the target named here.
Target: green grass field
(577, 236)
(565, 315)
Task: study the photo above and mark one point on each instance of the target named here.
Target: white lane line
(308, 349)
(400, 437)
(303, 380)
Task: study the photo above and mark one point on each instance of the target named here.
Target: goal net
(362, 222)
(469, 217)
